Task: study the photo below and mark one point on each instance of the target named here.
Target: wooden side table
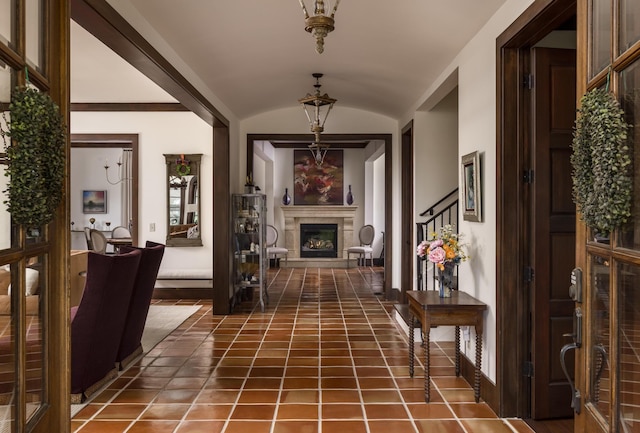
(460, 309)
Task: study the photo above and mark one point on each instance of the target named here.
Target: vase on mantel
(349, 197)
(286, 198)
(446, 279)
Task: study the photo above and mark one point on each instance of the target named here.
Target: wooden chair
(120, 232)
(99, 241)
(272, 249)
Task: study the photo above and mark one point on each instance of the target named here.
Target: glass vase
(286, 198)
(446, 279)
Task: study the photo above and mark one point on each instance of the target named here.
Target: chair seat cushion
(360, 250)
(277, 250)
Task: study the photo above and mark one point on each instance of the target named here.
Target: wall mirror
(183, 200)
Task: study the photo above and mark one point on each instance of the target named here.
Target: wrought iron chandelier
(317, 108)
(319, 25)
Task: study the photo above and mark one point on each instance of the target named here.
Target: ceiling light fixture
(319, 25)
(317, 108)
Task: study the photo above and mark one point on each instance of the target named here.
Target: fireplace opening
(319, 240)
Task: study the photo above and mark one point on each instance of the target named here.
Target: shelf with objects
(249, 214)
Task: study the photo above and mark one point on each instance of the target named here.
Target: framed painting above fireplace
(315, 185)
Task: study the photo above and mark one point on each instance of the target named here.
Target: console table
(460, 309)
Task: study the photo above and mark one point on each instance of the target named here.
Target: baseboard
(488, 390)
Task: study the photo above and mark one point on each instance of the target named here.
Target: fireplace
(319, 240)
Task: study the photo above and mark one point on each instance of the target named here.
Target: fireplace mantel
(343, 216)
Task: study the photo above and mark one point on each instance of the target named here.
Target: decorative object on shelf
(471, 187)
(320, 24)
(601, 161)
(445, 250)
(35, 156)
(317, 108)
(108, 224)
(286, 198)
(92, 221)
(249, 187)
(349, 197)
(94, 201)
(318, 185)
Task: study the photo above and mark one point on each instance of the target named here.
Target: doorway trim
(512, 351)
(124, 141)
(345, 141)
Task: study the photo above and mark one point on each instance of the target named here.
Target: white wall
(476, 69)
(160, 133)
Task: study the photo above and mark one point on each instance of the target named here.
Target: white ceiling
(255, 55)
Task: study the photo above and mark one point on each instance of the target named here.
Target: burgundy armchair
(97, 323)
(130, 345)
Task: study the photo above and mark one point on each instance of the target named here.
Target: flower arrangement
(443, 248)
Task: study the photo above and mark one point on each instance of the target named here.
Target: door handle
(575, 393)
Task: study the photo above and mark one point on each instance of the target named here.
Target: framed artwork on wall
(471, 187)
(315, 185)
(94, 201)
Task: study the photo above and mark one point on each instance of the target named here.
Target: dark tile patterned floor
(326, 356)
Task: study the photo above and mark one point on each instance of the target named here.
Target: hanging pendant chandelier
(317, 108)
(319, 25)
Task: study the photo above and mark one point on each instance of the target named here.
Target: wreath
(602, 176)
(35, 155)
(182, 166)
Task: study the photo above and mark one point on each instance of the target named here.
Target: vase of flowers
(444, 249)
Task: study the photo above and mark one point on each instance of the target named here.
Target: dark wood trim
(512, 47)
(221, 221)
(408, 257)
(488, 390)
(388, 173)
(104, 22)
(129, 106)
(117, 141)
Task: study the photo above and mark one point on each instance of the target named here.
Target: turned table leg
(476, 381)
(412, 323)
(457, 351)
(427, 378)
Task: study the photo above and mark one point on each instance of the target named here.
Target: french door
(608, 360)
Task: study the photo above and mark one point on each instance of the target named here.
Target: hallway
(325, 357)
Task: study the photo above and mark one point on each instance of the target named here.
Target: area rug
(161, 321)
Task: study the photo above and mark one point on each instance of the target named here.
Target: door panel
(552, 228)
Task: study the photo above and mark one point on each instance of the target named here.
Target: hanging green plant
(35, 157)
(601, 162)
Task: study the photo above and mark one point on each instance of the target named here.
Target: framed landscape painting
(94, 201)
(315, 185)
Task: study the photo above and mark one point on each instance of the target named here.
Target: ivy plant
(601, 161)
(36, 157)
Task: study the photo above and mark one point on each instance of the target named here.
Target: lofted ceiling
(255, 56)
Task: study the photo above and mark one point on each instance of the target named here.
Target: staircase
(441, 213)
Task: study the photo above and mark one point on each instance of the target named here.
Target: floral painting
(315, 185)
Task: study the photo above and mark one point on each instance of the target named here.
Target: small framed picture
(94, 201)
(471, 188)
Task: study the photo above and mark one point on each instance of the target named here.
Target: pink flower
(437, 255)
(422, 248)
(437, 243)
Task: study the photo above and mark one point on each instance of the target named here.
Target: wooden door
(408, 215)
(552, 227)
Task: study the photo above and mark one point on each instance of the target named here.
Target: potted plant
(36, 157)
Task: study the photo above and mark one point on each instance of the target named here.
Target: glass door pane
(629, 24)
(630, 102)
(600, 36)
(7, 25)
(34, 36)
(7, 350)
(629, 347)
(34, 291)
(599, 390)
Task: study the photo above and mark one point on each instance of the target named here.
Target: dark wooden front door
(552, 222)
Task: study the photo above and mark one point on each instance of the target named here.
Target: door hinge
(527, 81)
(527, 176)
(527, 369)
(529, 274)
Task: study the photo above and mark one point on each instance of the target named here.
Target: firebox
(319, 240)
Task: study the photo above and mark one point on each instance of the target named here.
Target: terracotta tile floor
(326, 356)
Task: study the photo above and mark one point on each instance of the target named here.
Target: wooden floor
(552, 426)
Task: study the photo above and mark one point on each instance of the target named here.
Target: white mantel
(343, 216)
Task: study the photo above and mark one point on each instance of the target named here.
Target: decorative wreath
(602, 166)
(182, 166)
(36, 157)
